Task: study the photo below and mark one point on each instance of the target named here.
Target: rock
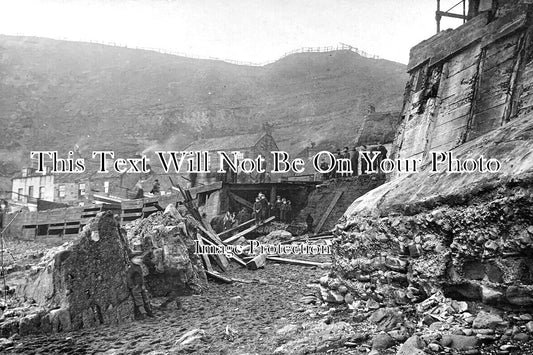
(459, 306)
(386, 318)
(382, 341)
(529, 326)
(372, 304)
(84, 277)
(412, 346)
(9, 327)
(288, 329)
(324, 281)
(487, 320)
(526, 317)
(521, 337)
(343, 289)
(519, 296)
(490, 295)
(459, 342)
(30, 324)
(396, 264)
(399, 335)
(60, 320)
(434, 347)
(348, 298)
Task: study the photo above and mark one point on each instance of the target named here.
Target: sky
(254, 31)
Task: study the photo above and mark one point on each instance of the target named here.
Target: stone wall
(81, 284)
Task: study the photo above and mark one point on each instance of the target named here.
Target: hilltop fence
(339, 47)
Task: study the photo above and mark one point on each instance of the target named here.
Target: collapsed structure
(83, 283)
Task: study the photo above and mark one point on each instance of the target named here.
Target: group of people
(263, 209)
(358, 163)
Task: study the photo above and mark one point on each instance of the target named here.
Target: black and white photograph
(257, 177)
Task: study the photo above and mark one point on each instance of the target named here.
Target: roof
(227, 142)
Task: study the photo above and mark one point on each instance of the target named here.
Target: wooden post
(325, 216)
(438, 16)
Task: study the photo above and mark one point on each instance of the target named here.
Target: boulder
(83, 282)
(412, 346)
(486, 320)
(174, 269)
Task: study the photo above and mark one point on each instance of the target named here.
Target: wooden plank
(240, 200)
(205, 257)
(325, 216)
(233, 257)
(246, 231)
(216, 276)
(235, 228)
(206, 188)
(298, 262)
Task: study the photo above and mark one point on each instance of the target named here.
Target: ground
(252, 311)
(271, 313)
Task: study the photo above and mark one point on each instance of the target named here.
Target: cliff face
(467, 236)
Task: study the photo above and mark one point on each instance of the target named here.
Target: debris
(257, 262)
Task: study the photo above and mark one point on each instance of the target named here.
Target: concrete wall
(467, 82)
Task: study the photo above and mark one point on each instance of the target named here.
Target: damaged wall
(81, 284)
(467, 82)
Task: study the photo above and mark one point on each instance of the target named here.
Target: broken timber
(233, 256)
(205, 257)
(236, 228)
(338, 195)
(298, 262)
(216, 276)
(246, 231)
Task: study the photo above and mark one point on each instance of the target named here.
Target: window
(62, 191)
(81, 190)
(41, 192)
(106, 187)
(30, 191)
(20, 194)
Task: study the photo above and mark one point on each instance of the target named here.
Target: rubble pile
(173, 266)
(479, 252)
(445, 258)
(80, 284)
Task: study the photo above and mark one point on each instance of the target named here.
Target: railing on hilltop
(339, 47)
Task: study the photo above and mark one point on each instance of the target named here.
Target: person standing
(283, 210)
(140, 190)
(258, 206)
(288, 216)
(135, 283)
(265, 207)
(276, 207)
(156, 188)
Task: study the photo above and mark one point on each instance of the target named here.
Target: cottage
(248, 146)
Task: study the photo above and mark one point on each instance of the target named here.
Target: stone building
(248, 145)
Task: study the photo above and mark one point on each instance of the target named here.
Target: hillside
(55, 94)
